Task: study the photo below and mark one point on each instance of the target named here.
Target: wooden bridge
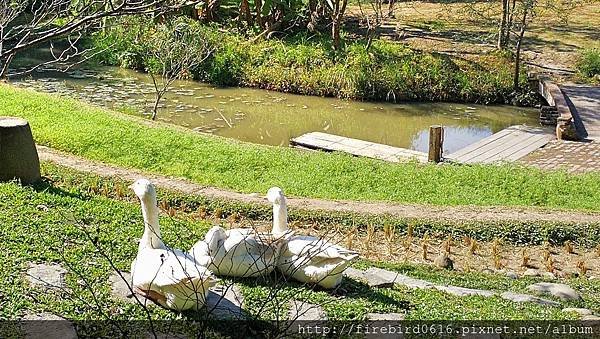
(577, 103)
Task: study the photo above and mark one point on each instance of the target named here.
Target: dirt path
(446, 213)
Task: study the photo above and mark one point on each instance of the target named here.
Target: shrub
(589, 62)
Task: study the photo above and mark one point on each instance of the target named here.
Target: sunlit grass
(114, 138)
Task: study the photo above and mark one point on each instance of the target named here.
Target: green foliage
(589, 62)
(298, 64)
(125, 44)
(114, 138)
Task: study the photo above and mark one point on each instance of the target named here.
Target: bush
(589, 63)
(387, 71)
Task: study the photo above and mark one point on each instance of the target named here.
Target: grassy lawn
(114, 138)
(34, 234)
(468, 28)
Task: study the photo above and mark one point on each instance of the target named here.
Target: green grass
(515, 231)
(114, 138)
(31, 234)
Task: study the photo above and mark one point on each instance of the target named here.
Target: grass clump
(309, 65)
(589, 63)
(115, 138)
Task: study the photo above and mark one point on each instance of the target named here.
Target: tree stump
(18, 155)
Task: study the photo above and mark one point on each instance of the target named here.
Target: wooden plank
(480, 143)
(507, 145)
(497, 142)
(510, 142)
(520, 149)
(534, 146)
(336, 143)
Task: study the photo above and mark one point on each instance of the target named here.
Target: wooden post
(18, 155)
(436, 143)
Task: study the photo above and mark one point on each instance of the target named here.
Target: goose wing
(318, 248)
(165, 267)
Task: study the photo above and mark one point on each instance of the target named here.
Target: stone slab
(520, 298)
(561, 291)
(47, 276)
(303, 311)
(225, 302)
(47, 325)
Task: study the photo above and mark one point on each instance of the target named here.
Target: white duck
(239, 252)
(166, 276)
(305, 258)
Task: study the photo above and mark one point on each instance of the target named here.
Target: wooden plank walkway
(331, 143)
(509, 144)
(585, 107)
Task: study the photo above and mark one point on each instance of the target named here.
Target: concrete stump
(18, 155)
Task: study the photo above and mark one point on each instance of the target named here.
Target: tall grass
(308, 65)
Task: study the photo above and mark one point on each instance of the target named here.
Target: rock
(355, 274)
(580, 311)
(303, 311)
(531, 273)
(120, 290)
(47, 325)
(397, 278)
(590, 317)
(225, 302)
(512, 275)
(549, 276)
(444, 261)
(254, 195)
(370, 277)
(464, 292)
(520, 298)
(386, 316)
(561, 291)
(43, 208)
(47, 276)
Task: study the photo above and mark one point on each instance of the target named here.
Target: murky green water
(273, 118)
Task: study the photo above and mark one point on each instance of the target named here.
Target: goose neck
(280, 216)
(151, 237)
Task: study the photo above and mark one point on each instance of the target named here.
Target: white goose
(239, 252)
(305, 258)
(166, 276)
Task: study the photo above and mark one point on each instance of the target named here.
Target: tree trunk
(335, 33)
(259, 20)
(336, 22)
(18, 155)
(245, 12)
(503, 25)
(518, 51)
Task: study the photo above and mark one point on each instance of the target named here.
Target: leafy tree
(26, 24)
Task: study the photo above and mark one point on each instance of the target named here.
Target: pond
(272, 118)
